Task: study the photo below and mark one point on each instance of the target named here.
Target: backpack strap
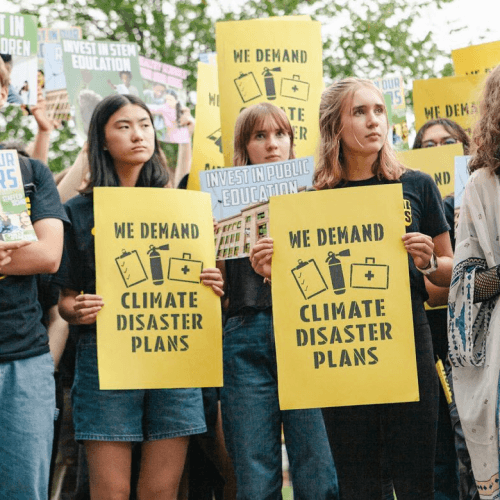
(27, 175)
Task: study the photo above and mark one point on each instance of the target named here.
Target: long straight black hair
(154, 173)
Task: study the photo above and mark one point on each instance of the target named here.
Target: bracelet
(267, 280)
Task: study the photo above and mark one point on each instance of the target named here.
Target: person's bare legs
(162, 463)
(109, 465)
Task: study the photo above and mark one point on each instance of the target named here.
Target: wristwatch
(431, 267)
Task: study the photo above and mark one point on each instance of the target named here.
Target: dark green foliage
(373, 39)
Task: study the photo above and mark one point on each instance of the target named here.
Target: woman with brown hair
(354, 151)
(474, 309)
(252, 419)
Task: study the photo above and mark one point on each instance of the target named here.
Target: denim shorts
(129, 415)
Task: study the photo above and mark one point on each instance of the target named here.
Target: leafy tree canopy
(365, 38)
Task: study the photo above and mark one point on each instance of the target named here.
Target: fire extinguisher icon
(269, 83)
(155, 263)
(336, 273)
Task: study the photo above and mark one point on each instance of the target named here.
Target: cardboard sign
(393, 86)
(54, 36)
(341, 298)
(15, 222)
(160, 327)
(94, 70)
(438, 162)
(280, 63)
(165, 97)
(18, 37)
(240, 200)
(207, 140)
(476, 59)
(454, 97)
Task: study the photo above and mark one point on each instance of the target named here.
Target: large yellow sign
(160, 327)
(476, 59)
(207, 142)
(341, 298)
(438, 162)
(278, 62)
(454, 97)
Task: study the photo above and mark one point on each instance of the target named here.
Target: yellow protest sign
(393, 87)
(160, 327)
(454, 97)
(438, 162)
(341, 298)
(207, 141)
(281, 65)
(476, 59)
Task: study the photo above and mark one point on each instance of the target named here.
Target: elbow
(53, 265)
(66, 313)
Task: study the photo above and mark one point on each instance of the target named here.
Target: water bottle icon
(336, 273)
(155, 263)
(269, 83)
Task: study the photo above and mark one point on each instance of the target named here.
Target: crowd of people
(432, 448)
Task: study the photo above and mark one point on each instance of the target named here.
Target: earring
(104, 148)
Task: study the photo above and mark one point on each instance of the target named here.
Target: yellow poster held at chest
(454, 97)
(160, 327)
(476, 59)
(439, 163)
(341, 298)
(279, 62)
(207, 141)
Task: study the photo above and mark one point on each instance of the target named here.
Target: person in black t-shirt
(123, 151)
(354, 151)
(27, 394)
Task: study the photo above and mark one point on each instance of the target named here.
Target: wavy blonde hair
(485, 148)
(331, 169)
(248, 119)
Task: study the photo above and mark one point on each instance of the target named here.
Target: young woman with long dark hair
(123, 151)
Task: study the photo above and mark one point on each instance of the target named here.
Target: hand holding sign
(87, 307)
(261, 257)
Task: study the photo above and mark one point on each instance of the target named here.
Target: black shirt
(245, 288)
(437, 318)
(77, 271)
(423, 213)
(22, 334)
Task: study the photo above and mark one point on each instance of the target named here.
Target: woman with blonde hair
(251, 415)
(354, 151)
(474, 309)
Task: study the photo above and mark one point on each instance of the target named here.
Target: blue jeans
(252, 420)
(27, 409)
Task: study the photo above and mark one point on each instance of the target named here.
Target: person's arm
(78, 308)
(40, 147)
(57, 331)
(438, 295)
(73, 180)
(421, 247)
(42, 256)
(184, 156)
(486, 284)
